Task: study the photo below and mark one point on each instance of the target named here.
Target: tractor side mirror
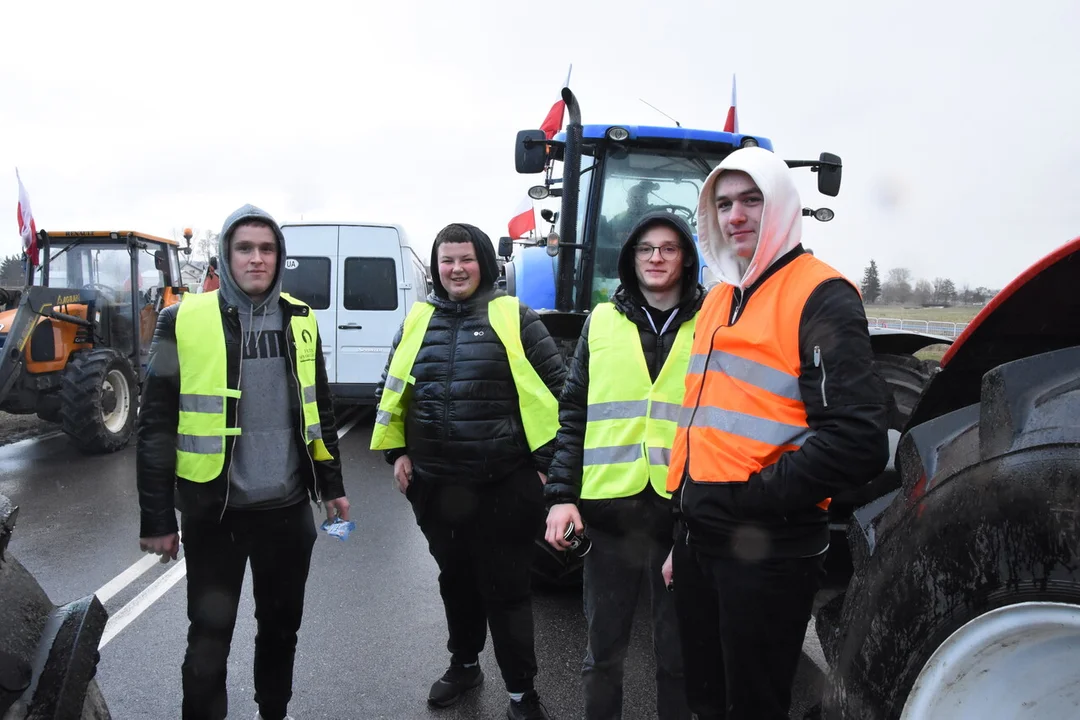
(828, 181)
(530, 151)
(506, 247)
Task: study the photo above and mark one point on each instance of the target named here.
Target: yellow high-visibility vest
(200, 346)
(631, 420)
(539, 408)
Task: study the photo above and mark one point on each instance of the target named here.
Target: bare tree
(923, 293)
(205, 246)
(897, 286)
(944, 291)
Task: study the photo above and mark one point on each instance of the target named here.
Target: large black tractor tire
(986, 520)
(906, 376)
(99, 401)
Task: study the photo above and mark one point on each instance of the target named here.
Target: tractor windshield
(102, 266)
(636, 182)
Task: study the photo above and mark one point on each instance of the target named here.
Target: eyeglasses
(668, 252)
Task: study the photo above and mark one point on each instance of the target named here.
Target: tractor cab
(76, 339)
(612, 175)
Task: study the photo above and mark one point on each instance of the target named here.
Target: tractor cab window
(635, 184)
(103, 267)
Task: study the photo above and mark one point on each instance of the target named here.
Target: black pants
(617, 570)
(742, 626)
(482, 536)
(278, 543)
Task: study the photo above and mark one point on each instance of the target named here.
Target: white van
(360, 279)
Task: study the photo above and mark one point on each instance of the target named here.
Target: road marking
(812, 647)
(127, 614)
(121, 581)
(349, 425)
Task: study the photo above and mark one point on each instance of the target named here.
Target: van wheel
(99, 401)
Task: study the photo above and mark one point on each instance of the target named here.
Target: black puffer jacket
(155, 454)
(463, 423)
(645, 511)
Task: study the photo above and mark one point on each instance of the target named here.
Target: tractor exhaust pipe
(564, 287)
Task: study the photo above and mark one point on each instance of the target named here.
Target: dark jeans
(742, 628)
(278, 543)
(617, 570)
(481, 536)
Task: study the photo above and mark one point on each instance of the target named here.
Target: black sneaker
(448, 689)
(530, 708)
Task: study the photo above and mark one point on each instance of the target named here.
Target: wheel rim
(117, 384)
(1018, 661)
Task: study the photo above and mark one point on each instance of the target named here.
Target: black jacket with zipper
(463, 422)
(775, 513)
(646, 511)
(160, 491)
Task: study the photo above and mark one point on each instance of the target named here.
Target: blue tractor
(611, 176)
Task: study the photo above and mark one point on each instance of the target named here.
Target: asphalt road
(373, 638)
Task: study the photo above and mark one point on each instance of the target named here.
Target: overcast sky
(957, 128)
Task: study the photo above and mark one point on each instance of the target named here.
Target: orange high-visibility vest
(742, 409)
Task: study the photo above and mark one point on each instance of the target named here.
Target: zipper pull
(817, 356)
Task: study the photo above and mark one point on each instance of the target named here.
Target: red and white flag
(27, 226)
(553, 122)
(523, 221)
(732, 123)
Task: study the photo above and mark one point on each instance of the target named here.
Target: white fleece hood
(781, 217)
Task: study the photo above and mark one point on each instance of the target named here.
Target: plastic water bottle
(339, 528)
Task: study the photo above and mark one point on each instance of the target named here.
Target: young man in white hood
(782, 410)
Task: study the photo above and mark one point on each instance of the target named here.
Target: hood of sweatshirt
(229, 290)
(485, 256)
(780, 230)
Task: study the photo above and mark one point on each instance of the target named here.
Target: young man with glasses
(618, 413)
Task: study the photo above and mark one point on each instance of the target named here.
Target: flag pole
(567, 83)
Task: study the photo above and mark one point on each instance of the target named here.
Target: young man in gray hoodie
(237, 422)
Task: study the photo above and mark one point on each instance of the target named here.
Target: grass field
(957, 314)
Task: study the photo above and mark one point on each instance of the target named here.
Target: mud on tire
(985, 520)
(99, 401)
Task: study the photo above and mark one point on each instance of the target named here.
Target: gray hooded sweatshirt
(265, 471)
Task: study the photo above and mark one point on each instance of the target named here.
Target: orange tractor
(76, 339)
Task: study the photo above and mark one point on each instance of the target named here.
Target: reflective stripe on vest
(202, 424)
(538, 406)
(304, 329)
(743, 408)
(631, 420)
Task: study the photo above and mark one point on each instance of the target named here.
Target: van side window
(370, 284)
(308, 279)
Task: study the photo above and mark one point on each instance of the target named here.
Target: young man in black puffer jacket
(467, 416)
(618, 414)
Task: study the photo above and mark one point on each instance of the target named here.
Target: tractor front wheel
(99, 401)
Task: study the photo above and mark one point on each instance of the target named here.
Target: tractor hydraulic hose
(564, 287)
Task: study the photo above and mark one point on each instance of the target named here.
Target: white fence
(932, 327)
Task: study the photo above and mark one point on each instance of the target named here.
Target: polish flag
(523, 221)
(553, 122)
(27, 226)
(732, 123)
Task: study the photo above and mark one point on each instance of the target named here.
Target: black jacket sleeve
(155, 453)
(846, 407)
(543, 354)
(327, 472)
(564, 477)
(391, 455)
